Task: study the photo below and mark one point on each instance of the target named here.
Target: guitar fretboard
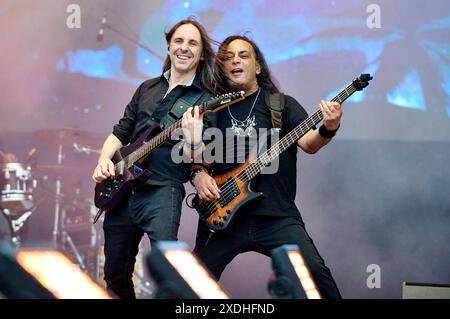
(292, 137)
(155, 142)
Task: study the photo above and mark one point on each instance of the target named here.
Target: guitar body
(112, 191)
(235, 193)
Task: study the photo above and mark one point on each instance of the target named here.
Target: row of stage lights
(48, 274)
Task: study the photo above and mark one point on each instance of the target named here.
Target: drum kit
(16, 199)
(72, 229)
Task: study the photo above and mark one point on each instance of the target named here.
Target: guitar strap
(180, 106)
(275, 102)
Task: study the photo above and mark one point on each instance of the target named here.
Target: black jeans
(155, 210)
(262, 234)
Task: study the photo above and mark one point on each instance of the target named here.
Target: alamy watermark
(73, 20)
(374, 279)
(374, 19)
(229, 148)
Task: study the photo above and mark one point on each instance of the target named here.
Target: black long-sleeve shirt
(138, 116)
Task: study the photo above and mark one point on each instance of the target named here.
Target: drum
(17, 189)
(5, 228)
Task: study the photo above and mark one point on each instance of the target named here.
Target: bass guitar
(235, 185)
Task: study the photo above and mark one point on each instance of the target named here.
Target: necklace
(246, 127)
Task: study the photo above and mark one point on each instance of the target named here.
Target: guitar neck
(141, 152)
(292, 137)
(144, 150)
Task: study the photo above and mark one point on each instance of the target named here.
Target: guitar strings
(228, 187)
(161, 137)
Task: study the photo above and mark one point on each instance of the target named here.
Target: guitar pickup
(232, 192)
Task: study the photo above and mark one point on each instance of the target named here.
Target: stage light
(17, 283)
(292, 279)
(180, 274)
(44, 273)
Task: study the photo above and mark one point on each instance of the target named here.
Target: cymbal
(69, 137)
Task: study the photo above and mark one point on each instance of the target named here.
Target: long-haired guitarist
(154, 206)
(272, 220)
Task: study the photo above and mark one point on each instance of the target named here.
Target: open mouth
(183, 57)
(237, 71)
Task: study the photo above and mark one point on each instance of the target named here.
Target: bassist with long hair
(267, 222)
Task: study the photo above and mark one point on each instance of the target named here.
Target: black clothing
(282, 185)
(149, 96)
(267, 223)
(154, 208)
(147, 107)
(262, 234)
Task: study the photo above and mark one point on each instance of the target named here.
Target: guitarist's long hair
(264, 78)
(205, 66)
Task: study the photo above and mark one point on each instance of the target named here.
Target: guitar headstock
(363, 81)
(219, 102)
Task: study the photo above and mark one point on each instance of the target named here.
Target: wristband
(325, 133)
(194, 174)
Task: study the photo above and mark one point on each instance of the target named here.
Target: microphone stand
(136, 42)
(57, 201)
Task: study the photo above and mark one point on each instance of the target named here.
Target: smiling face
(240, 66)
(185, 49)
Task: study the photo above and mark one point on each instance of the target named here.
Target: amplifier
(412, 290)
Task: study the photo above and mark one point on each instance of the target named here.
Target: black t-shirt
(147, 107)
(279, 188)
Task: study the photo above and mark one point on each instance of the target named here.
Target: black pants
(155, 210)
(262, 234)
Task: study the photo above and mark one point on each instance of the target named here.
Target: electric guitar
(235, 184)
(128, 160)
